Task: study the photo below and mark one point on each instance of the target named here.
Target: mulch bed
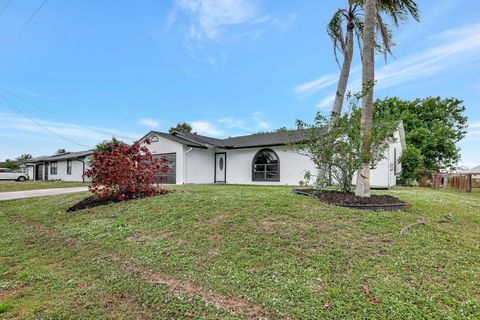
(94, 201)
(374, 202)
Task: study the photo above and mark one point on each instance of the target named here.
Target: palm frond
(358, 23)
(399, 10)
(335, 31)
(384, 43)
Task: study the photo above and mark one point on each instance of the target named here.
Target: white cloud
(191, 74)
(317, 84)
(326, 102)
(259, 122)
(72, 131)
(206, 128)
(263, 124)
(149, 123)
(473, 134)
(233, 123)
(474, 125)
(253, 124)
(209, 19)
(451, 49)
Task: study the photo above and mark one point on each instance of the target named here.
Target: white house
(69, 166)
(264, 158)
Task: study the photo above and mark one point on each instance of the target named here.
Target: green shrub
(411, 161)
(4, 307)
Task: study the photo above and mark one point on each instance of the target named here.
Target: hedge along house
(264, 158)
(66, 167)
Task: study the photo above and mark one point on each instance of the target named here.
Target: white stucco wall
(164, 145)
(293, 166)
(195, 165)
(384, 175)
(199, 165)
(77, 171)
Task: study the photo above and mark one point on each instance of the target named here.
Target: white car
(9, 174)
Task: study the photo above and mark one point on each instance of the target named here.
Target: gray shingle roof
(69, 155)
(179, 139)
(202, 139)
(58, 157)
(248, 141)
(475, 170)
(33, 160)
(267, 139)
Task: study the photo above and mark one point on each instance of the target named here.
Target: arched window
(154, 139)
(266, 166)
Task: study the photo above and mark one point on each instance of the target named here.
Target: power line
(14, 37)
(52, 113)
(34, 13)
(40, 125)
(5, 7)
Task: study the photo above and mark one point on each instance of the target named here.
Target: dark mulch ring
(374, 202)
(94, 201)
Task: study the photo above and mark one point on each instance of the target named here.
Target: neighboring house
(66, 167)
(264, 158)
(474, 171)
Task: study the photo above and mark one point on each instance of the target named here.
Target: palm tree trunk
(345, 72)
(340, 95)
(362, 188)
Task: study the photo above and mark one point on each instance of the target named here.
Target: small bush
(411, 160)
(4, 307)
(123, 172)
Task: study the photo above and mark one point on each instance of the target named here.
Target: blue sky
(227, 67)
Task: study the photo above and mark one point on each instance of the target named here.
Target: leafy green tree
(433, 125)
(181, 127)
(61, 151)
(24, 156)
(282, 129)
(411, 160)
(8, 164)
(339, 147)
(108, 145)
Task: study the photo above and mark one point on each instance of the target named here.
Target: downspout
(185, 164)
(83, 169)
(388, 167)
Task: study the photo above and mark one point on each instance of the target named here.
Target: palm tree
(351, 20)
(362, 188)
(397, 10)
(344, 44)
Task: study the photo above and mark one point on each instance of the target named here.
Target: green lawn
(234, 252)
(32, 185)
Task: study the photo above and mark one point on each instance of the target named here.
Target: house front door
(220, 167)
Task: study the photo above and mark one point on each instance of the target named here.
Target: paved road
(13, 195)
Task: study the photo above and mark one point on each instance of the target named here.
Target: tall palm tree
(354, 26)
(397, 10)
(351, 20)
(362, 188)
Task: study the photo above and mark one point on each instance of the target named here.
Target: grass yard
(236, 252)
(6, 186)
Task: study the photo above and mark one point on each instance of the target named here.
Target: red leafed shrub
(123, 172)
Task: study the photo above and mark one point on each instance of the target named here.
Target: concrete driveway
(13, 195)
